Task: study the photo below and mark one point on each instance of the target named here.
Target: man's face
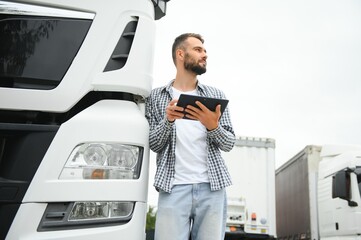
(195, 58)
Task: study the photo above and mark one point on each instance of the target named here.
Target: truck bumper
(30, 214)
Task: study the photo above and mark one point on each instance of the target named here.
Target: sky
(291, 69)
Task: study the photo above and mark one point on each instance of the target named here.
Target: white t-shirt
(191, 149)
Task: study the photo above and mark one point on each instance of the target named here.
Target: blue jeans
(191, 209)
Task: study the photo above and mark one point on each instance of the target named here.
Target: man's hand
(173, 111)
(207, 117)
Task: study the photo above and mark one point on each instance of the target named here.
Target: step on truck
(251, 212)
(318, 194)
(74, 151)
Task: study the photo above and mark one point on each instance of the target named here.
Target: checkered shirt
(162, 139)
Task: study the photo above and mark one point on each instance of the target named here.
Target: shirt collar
(168, 87)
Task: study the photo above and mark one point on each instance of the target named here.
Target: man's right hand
(173, 111)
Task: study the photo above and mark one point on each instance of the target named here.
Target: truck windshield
(36, 52)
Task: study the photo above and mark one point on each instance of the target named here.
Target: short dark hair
(180, 40)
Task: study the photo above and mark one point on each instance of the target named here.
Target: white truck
(318, 194)
(74, 151)
(251, 198)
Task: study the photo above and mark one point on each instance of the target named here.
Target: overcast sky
(291, 69)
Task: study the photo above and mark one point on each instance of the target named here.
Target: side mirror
(341, 187)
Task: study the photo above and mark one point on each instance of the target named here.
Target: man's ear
(180, 54)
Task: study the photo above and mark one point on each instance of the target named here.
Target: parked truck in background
(251, 198)
(73, 137)
(318, 194)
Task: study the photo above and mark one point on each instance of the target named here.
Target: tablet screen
(210, 103)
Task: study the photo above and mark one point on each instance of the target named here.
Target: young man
(191, 175)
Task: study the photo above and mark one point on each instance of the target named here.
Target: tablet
(210, 103)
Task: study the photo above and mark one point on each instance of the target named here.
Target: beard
(193, 66)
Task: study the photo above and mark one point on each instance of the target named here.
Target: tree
(151, 216)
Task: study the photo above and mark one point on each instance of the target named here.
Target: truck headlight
(100, 210)
(94, 155)
(77, 215)
(103, 161)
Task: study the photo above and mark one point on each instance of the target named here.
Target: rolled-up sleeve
(223, 136)
(159, 127)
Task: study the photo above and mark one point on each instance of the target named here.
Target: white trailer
(318, 194)
(251, 198)
(74, 151)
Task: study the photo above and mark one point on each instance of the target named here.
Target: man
(191, 175)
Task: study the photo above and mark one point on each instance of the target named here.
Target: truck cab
(339, 192)
(74, 75)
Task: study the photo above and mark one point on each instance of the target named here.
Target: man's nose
(205, 56)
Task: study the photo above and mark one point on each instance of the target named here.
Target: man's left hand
(207, 117)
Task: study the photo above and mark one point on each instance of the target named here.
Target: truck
(74, 75)
(251, 207)
(318, 194)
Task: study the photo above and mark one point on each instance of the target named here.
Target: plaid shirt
(162, 139)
